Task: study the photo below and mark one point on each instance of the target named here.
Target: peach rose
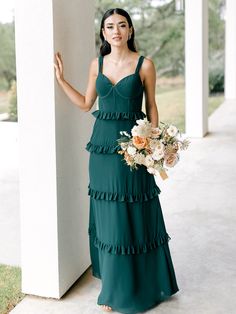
(140, 142)
(171, 159)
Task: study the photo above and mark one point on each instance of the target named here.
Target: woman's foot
(106, 308)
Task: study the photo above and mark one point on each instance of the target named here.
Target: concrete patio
(199, 207)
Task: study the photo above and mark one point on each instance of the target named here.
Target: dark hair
(105, 47)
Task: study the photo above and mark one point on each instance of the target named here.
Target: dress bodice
(120, 105)
(124, 96)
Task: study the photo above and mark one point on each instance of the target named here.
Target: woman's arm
(149, 73)
(84, 102)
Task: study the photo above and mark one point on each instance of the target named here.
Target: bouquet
(156, 148)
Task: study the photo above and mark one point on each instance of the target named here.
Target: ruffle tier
(113, 196)
(132, 115)
(102, 149)
(140, 248)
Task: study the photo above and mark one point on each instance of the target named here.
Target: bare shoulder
(148, 65)
(148, 72)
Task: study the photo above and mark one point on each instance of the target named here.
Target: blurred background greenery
(159, 34)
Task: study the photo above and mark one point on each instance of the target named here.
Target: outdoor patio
(199, 203)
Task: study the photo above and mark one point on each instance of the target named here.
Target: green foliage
(13, 102)
(216, 47)
(159, 32)
(216, 74)
(7, 54)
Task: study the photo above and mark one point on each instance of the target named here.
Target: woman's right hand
(59, 67)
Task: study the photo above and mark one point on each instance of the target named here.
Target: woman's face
(116, 29)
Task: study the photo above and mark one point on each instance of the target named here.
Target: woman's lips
(116, 38)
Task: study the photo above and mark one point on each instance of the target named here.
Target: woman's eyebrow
(118, 23)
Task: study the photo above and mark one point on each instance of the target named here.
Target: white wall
(52, 136)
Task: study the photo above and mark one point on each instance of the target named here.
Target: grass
(171, 104)
(170, 100)
(10, 288)
(4, 104)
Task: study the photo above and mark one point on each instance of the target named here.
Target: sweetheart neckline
(114, 85)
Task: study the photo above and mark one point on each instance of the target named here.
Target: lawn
(10, 287)
(3, 102)
(171, 105)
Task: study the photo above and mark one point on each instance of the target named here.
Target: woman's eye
(120, 25)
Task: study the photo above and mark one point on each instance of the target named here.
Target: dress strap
(100, 62)
(140, 61)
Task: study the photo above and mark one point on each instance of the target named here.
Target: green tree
(159, 32)
(7, 54)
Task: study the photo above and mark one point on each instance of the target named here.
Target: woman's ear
(131, 30)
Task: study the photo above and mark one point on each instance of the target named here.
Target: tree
(7, 53)
(159, 32)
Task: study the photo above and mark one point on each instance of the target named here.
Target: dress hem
(144, 309)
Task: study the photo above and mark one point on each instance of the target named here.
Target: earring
(129, 36)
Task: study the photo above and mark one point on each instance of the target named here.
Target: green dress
(128, 240)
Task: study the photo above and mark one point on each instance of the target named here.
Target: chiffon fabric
(127, 235)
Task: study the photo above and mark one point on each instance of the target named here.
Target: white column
(230, 50)
(196, 67)
(53, 133)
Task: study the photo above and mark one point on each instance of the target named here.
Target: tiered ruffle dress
(128, 239)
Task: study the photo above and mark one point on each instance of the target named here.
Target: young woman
(128, 239)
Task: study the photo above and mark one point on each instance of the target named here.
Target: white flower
(131, 150)
(139, 159)
(149, 161)
(143, 122)
(172, 130)
(153, 143)
(140, 122)
(141, 130)
(158, 154)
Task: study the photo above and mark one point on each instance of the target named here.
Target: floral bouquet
(156, 148)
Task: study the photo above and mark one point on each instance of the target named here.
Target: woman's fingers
(59, 63)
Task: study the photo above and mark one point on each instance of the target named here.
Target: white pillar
(196, 67)
(230, 50)
(53, 133)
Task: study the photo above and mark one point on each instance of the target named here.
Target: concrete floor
(9, 187)
(199, 207)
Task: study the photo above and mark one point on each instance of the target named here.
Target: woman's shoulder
(148, 60)
(148, 64)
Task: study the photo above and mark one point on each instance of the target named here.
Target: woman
(128, 240)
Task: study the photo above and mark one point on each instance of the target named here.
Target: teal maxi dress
(128, 240)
